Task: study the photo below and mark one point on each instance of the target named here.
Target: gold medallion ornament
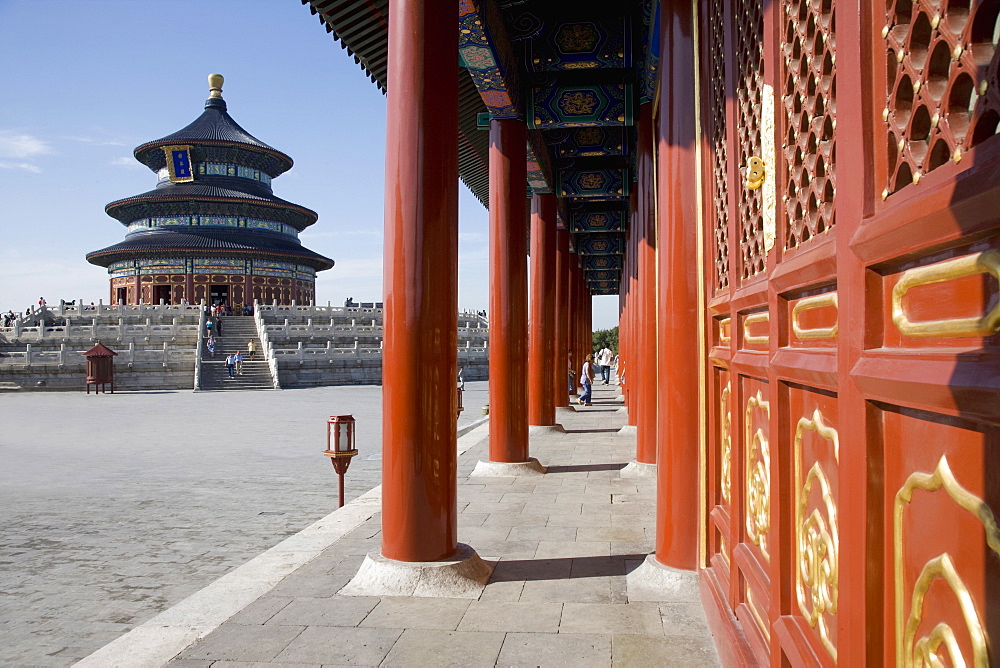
(578, 102)
(817, 540)
(928, 650)
(758, 478)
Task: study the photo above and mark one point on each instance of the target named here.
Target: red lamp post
(340, 448)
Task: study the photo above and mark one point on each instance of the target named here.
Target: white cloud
(127, 163)
(21, 146)
(21, 165)
(98, 142)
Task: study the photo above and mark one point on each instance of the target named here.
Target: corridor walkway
(562, 544)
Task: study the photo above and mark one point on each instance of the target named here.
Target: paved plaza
(116, 507)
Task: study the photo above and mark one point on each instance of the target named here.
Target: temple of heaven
(211, 229)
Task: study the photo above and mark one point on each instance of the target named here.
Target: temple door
(853, 372)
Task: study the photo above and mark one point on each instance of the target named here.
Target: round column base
(638, 470)
(628, 430)
(463, 576)
(655, 582)
(508, 469)
(534, 429)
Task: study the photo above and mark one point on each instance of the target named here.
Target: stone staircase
(237, 330)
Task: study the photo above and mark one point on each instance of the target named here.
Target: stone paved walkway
(562, 545)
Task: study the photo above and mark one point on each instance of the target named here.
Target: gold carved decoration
(724, 549)
(987, 262)
(817, 540)
(911, 651)
(726, 443)
(577, 37)
(724, 337)
(751, 320)
(578, 102)
(592, 180)
(757, 617)
(755, 173)
(758, 478)
(807, 304)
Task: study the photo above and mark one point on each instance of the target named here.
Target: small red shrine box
(100, 368)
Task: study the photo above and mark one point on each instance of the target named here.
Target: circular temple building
(211, 229)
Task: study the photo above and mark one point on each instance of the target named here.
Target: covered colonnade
(795, 203)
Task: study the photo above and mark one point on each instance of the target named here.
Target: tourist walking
(231, 365)
(208, 327)
(239, 362)
(587, 381)
(251, 349)
(604, 359)
(211, 346)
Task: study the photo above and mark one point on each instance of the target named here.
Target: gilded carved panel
(817, 538)
(925, 635)
(757, 472)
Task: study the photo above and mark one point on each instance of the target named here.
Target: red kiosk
(100, 368)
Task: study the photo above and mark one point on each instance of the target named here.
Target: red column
(646, 373)
(572, 322)
(420, 350)
(562, 309)
(508, 292)
(679, 363)
(542, 360)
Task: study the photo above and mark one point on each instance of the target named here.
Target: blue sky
(84, 83)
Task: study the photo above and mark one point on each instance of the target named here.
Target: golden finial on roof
(215, 85)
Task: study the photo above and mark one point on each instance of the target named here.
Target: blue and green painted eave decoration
(603, 275)
(597, 221)
(591, 142)
(610, 243)
(485, 51)
(594, 184)
(599, 262)
(596, 105)
(582, 45)
(650, 50)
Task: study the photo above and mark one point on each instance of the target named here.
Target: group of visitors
(9, 317)
(603, 364)
(234, 362)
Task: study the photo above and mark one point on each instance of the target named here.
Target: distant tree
(606, 338)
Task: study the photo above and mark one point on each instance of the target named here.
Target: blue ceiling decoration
(651, 50)
(485, 51)
(601, 244)
(604, 275)
(597, 221)
(581, 45)
(587, 142)
(591, 262)
(594, 183)
(556, 106)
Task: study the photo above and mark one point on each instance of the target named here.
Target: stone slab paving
(116, 507)
(562, 545)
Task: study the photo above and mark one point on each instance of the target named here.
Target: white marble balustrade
(163, 354)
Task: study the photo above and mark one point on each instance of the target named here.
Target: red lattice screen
(716, 71)
(749, 18)
(809, 99)
(941, 80)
